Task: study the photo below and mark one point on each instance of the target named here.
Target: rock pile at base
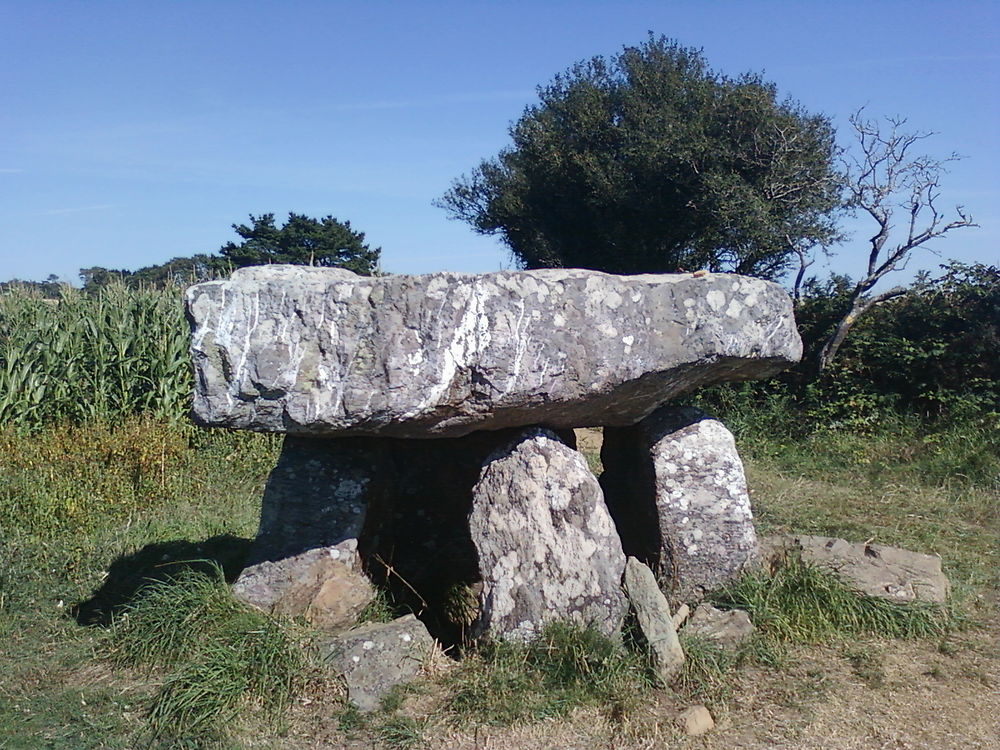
(428, 445)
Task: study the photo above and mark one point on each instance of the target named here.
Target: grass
(801, 603)
(219, 657)
(379, 609)
(399, 732)
(87, 515)
(706, 669)
(91, 513)
(507, 683)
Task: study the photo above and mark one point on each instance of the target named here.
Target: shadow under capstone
(159, 561)
(406, 501)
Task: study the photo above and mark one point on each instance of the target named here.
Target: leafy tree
(51, 288)
(303, 241)
(181, 271)
(96, 278)
(650, 162)
(886, 181)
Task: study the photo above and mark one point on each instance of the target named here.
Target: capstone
(319, 351)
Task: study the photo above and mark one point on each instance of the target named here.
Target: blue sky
(133, 132)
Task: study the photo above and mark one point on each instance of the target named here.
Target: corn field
(102, 357)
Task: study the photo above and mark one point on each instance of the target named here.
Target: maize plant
(122, 351)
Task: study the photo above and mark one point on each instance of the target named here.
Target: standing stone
(676, 488)
(322, 351)
(547, 546)
(416, 541)
(316, 496)
(652, 613)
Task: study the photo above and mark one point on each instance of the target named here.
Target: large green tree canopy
(652, 162)
(303, 241)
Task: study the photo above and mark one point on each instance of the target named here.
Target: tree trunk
(832, 345)
(859, 306)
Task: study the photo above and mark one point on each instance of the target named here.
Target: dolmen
(429, 445)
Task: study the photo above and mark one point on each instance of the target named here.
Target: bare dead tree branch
(884, 179)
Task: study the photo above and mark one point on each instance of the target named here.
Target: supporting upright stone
(676, 488)
(304, 560)
(547, 546)
(316, 496)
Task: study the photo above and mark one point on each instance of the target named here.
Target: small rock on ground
(696, 721)
(374, 658)
(726, 629)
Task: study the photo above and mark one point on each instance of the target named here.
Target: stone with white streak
(546, 544)
(321, 351)
(676, 488)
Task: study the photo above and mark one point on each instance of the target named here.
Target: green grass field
(89, 514)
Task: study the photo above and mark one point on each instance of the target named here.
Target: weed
(379, 609)
(706, 668)
(71, 480)
(565, 667)
(866, 663)
(399, 732)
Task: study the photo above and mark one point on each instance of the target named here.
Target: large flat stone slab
(322, 351)
(873, 569)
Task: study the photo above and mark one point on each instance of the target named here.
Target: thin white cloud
(75, 209)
